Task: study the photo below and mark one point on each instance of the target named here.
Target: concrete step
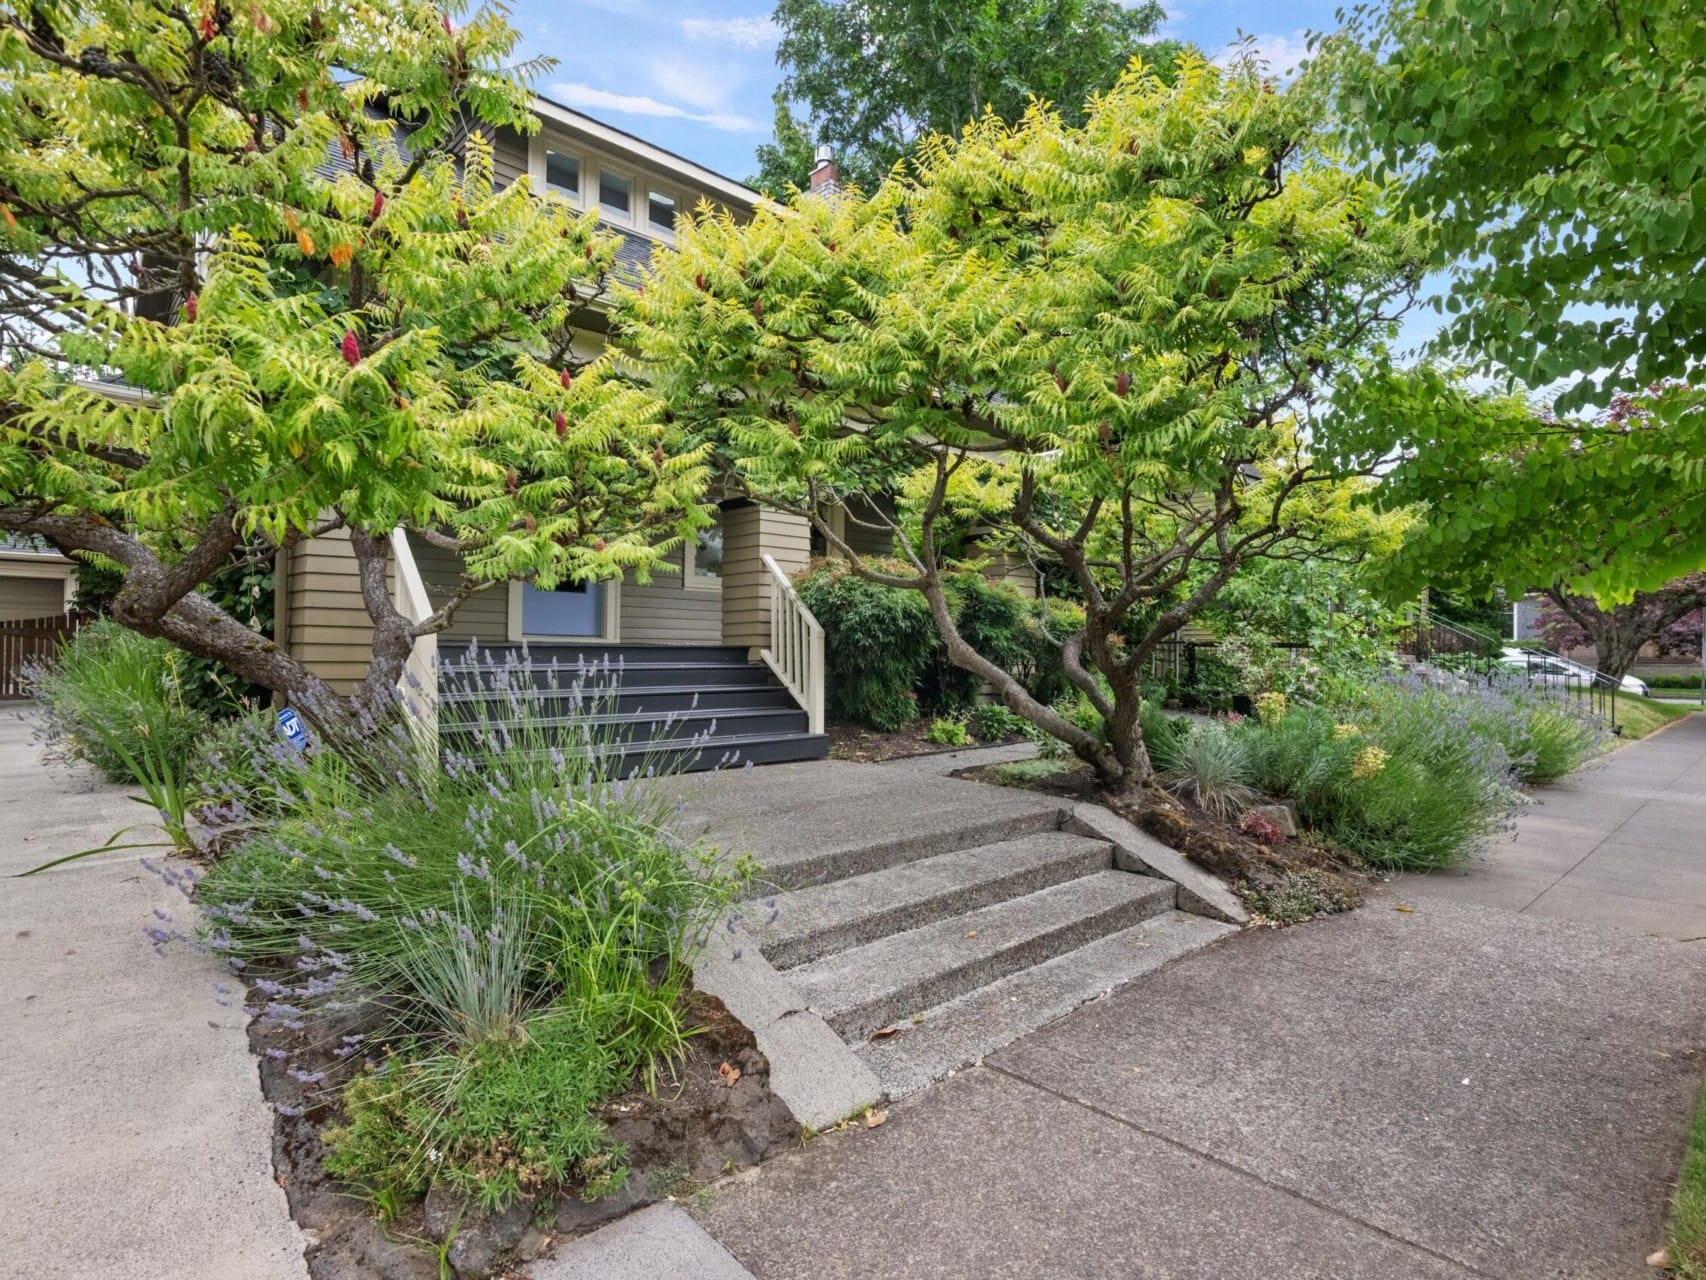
(813, 923)
(964, 1030)
(858, 844)
(864, 988)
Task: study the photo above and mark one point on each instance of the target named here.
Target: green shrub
(1163, 736)
(520, 924)
(947, 731)
(115, 699)
(1672, 680)
(886, 660)
(1213, 770)
(991, 722)
(878, 642)
(504, 1118)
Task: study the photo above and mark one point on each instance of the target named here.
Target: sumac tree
(257, 283)
(1104, 346)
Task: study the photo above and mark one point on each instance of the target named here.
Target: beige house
(730, 592)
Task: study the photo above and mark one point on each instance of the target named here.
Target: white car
(1549, 668)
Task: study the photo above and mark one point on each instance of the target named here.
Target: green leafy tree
(876, 78)
(1557, 150)
(258, 284)
(785, 162)
(1668, 618)
(1102, 344)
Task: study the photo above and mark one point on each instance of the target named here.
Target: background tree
(1668, 618)
(1105, 342)
(874, 77)
(277, 229)
(785, 162)
(1558, 151)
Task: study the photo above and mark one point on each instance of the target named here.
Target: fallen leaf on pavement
(1404, 909)
(873, 1118)
(730, 1073)
(883, 1033)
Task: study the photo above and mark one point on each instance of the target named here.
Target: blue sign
(291, 726)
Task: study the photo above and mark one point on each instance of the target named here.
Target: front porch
(712, 662)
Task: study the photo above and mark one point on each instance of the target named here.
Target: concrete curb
(821, 1080)
(952, 762)
(1200, 893)
(661, 1240)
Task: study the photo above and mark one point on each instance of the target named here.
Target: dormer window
(615, 191)
(660, 211)
(563, 174)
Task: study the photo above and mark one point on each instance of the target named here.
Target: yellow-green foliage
(386, 341)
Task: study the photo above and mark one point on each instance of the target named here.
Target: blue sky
(695, 76)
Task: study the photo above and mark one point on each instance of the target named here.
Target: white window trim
(665, 234)
(635, 187)
(612, 617)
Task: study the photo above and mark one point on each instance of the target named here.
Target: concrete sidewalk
(1424, 1088)
(1448, 1092)
(1622, 843)
(134, 1140)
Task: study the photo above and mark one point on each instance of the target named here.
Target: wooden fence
(31, 640)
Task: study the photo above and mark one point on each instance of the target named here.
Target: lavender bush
(516, 897)
(1411, 773)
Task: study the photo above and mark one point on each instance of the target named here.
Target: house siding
(327, 628)
(509, 157)
(662, 612)
(483, 616)
(748, 532)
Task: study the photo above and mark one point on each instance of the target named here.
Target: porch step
(816, 922)
(756, 692)
(885, 982)
(646, 707)
(646, 726)
(962, 1031)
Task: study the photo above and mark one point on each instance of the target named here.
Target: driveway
(1622, 844)
(134, 1140)
(1426, 1088)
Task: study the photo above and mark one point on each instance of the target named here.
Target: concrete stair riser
(888, 981)
(964, 1030)
(823, 866)
(817, 922)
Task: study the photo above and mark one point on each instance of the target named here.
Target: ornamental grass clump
(509, 927)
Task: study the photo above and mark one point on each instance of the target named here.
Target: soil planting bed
(849, 741)
(712, 1114)
(1277, 880)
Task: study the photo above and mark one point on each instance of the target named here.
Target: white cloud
(696, 84)
(745, 33)
(1279, 53)
(588, 98)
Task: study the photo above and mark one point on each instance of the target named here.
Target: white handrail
(796, 645)
(418, 689)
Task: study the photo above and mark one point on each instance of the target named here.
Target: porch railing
(796, 645)
(418, 688)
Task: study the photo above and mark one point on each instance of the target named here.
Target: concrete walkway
(1424, 1088)
(134, 1140)
(1622, 844)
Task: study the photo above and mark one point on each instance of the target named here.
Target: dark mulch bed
(849, 741)
(704, 1121)
(1277, 880)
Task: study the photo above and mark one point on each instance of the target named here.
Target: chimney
(826, 178)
